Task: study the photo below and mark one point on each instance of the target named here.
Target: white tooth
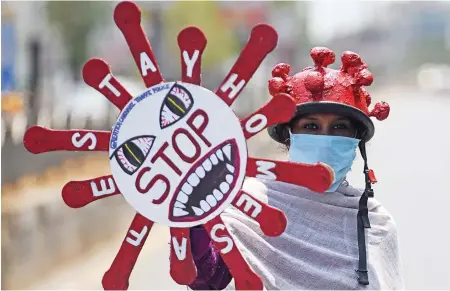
(229, 179)
(230, 168)
(179, 212)
(197, 211)
(179, 205)
(214, 159)
(193, 179)
(207, 165)
(211, 200)
(205, 206)
(219, 154)
(227, 151)
(200, 172)
(183, 198)
(224, 187)
(217, 194)
(187, 188)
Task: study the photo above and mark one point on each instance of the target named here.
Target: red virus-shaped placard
(178, 153)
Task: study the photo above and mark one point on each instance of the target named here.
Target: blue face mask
(336, 151)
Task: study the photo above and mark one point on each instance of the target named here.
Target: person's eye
(310, 126)
(341, 126)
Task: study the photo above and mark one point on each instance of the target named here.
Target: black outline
(187, 109)
(132, 138)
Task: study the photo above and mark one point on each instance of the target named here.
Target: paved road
(150, 273)
(410, 154)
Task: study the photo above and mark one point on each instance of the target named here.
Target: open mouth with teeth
(207, 185)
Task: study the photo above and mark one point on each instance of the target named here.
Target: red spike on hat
(322, 56)
(314, 83)
(277, 84)
(281, 70)
(355, 67)
(380, 111)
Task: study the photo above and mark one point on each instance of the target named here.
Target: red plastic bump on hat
(314, 81)
(322, 57)
(381, 111)
(357, 68)
(278, 84)
(365, 95)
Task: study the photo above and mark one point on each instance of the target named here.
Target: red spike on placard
(279, 109)
(77, 194)
(116, 278)
(97, 74)
(272, 221)
(38, 139)
(263, 39)
(192, 42)
(127, 17)
(244, 277)
(182, 266)
(317, 177)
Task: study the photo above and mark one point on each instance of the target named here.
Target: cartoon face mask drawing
(169, 160)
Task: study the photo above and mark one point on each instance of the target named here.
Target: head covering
(319, 89)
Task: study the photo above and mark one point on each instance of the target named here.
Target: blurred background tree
(222, 42)
(75, 20)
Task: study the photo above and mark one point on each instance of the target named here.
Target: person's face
(324, 124)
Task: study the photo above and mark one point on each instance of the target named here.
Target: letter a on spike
(127, 16)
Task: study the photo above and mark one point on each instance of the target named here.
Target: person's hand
(212, 272)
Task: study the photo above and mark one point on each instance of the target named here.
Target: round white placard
(178, 154)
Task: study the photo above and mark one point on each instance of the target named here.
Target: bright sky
(328, 17)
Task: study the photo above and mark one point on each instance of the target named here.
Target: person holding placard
(342, 239)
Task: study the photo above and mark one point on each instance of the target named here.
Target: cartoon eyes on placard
(177, 104)
(132, 153)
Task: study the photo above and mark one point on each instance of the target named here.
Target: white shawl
(319, 249)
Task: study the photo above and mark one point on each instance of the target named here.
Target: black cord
(363, 221)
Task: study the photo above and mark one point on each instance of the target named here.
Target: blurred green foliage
(75, 20)
(222, 41)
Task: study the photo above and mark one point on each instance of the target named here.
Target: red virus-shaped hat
(319, 89)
